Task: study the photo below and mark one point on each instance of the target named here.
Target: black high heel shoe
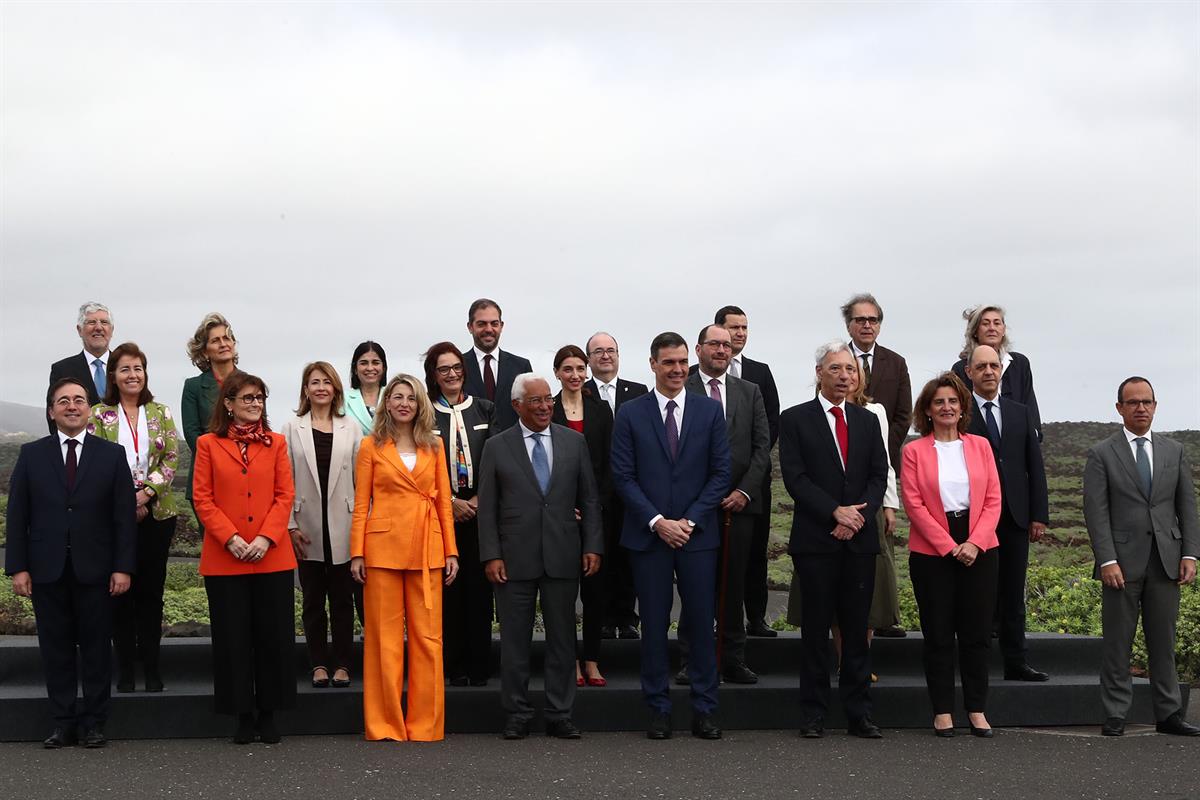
(944, 733)
(982, 733)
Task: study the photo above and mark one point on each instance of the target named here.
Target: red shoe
(597, 682)
(579, 681)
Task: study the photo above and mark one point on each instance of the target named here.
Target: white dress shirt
(858, 354)
(704, 379)
(995, 410)
(826, 405)
(547, 443)
(62, 445)
(608, 392)
(495, 354)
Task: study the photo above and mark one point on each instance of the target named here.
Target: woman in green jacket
(213, 349)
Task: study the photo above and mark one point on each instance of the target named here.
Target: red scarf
(245, 434)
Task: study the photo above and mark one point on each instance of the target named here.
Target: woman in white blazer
(322, 443)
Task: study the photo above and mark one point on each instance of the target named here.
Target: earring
(228, 413)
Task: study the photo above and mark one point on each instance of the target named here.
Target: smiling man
(490, 371)
(95, 329)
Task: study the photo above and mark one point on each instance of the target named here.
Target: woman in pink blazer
(951, 492)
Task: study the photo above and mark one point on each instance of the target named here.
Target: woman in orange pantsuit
(401, 543)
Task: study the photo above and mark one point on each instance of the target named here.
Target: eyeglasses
(457, 369)
(865, 320)
(251, 399)
(718, 345)
(1139, 403)
(66, 402)
(604, 351)
(548, 400)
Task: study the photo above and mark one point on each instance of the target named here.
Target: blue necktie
(672, 430)
(1143, 465)
(98, 376)
(541, 464)
(993, 428)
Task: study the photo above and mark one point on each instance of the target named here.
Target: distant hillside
(18, 418)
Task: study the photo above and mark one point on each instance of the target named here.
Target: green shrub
(16, 613)
(185, 605)
(183, 575)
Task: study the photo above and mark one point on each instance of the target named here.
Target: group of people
(430, 505)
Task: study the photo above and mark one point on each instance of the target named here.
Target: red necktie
(489, 379)
(72, 463)
(714, 389)
(843, 433)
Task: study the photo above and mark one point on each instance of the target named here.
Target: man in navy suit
(95, 329)
(489, 371)
(834, 466)
(72, 543)
(1013, 432)
(620, 618)
(670, 462)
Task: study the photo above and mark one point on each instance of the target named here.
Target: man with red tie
(490, 372)
(835, 469)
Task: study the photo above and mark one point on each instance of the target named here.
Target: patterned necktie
(541, 464)
(714, 389)
(735, 367)
(843, 433)
(1143, 464)
(990, 420)
(672, 430)
(98, 376)
(489, 378)
(72, 464)
(866, 359)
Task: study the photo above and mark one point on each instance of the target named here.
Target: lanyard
(133, 431)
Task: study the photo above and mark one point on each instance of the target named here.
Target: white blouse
(890, 498)
(953, 481)
(139, 457)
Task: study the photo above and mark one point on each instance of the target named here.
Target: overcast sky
(324, 174)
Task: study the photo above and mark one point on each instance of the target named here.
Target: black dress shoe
(760, 628)
(740, 673)
(864, 729)
(459, 680)
(659, 727)
(1176, 726)
(562, 729)
(813, 730)
(125, 681)
(1024, 672)
(982, 733)
(628, 632)
(60, 737)
(515, 729)
(93, 738)
(154, 681)
(682, 678)
(1113, 726)
(891, 632)
(703, 727)
(479, 681)
(608, 632)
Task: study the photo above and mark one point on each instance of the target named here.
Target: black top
(597, 432)
(323, 449)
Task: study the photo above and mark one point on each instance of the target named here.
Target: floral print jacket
(164, 450)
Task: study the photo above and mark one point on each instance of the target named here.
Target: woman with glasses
(985, 325)
(576, 408)
(213, 350)
(368, 372)
(244, 492)
(464, 424)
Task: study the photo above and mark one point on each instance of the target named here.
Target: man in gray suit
(539, 522)
(1140, 508)
(749, 459)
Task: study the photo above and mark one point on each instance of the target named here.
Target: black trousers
(253, 636)
(620, 597)
(321, 582)
(467, 611)
(74, 627)
(1010, 589)
(591, 592)
(955, 603)
(137, 614)
(733, 563)
(756, 565)
(835, 586)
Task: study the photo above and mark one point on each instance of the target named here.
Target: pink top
(929, 533)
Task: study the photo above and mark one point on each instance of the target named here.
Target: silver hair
(862, 297)
(588, 344)
(91, 308)
(520, 382)
(829, 348)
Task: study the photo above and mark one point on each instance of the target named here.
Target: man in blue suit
(72, 543)
(670, 463)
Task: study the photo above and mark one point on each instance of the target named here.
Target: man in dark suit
(539, 521)
(1139, 504)
(734, 320)
(621, 619)
(95, 329)
(749, 458)
(834, 467)
(72, 544)
(1010, 427)
(490, 371)
(670, 461)
(886, 374)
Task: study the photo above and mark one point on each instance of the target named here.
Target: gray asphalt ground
(1016, 764)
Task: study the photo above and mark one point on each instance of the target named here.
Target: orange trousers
(393, 599)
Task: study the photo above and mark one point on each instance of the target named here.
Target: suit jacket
(76, 367)
(813, 474)
(195, 408)
(479, 421)
(1120, 518)
(250, 500)
(306, 505)
(891, 387)
(356, 409)
(929, 531)
(1019, 461)
(597, 432)
(510, 365)
(95, 520)
(163, 450)
(749, 436)
(537, 534)
(758, 373)
(626, 391)
(650, 483)
(1016, 384)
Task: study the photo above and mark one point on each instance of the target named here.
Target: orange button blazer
(250, 500)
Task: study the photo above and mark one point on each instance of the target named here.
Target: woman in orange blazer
(243, 493)
(401, 543)
(951, 492)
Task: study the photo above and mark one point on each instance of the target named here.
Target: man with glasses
(1139, 505)
(620, 619)
(490, 372)
(95, 329)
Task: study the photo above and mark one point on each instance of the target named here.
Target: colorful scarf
(245, 434)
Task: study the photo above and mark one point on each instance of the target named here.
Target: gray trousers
(1157, 598)
(516, 602)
